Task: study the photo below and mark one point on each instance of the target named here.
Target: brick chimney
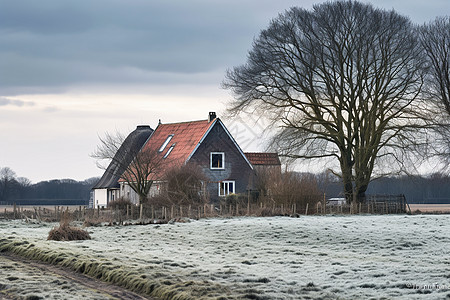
(212, 116)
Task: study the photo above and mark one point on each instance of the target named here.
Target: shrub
(67, 233)
(120, 203)
(235, 199)
(184, 185)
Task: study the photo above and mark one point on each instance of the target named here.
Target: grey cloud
(19, 103)
(53, 45)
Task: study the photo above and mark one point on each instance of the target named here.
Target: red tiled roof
(261, 158)
(186, 137)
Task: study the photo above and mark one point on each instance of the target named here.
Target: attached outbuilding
(107, 188)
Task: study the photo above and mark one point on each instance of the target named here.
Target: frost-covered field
(315, 257)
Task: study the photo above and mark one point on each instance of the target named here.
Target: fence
(46, 213)
(374, 204)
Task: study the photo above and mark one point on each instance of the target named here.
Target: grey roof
(126, 153)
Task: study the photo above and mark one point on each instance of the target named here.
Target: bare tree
(7, 182)
(435, 38)
(128, 161)
(185, 184)
(341, 82)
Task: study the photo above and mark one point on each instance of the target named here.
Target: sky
(70, 71)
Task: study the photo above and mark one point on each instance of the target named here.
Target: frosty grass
(315, 257)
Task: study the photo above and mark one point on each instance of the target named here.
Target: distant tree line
(432, 189)
(21, 191)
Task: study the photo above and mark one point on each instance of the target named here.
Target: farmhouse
(207, 144)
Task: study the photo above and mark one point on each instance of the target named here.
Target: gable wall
(236, 167)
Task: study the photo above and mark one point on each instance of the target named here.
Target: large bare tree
(342, 82)
(435, 38)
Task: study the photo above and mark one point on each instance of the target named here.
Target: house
(207, 144)
(107, 188)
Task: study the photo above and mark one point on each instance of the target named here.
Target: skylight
(170, 150)
(164, 145)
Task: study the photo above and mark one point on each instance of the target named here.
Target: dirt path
(26, 279)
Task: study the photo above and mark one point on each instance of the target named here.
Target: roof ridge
(261, 152)
(184, 122)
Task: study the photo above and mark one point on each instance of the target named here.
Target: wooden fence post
(140, 211)
(306, 210)
(248, 203)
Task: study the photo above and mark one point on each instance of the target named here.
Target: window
(169, 137)
(226, 188)
(170, 150)
(217, 160)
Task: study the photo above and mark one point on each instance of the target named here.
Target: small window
(169, 137)
(170, 150)
(217, 160)
(226, 188)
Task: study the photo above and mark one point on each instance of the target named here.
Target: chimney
(212, 116)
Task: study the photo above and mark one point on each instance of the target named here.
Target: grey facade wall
(236, 167)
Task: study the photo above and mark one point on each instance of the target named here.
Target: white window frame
(226, 188)
(164, 145)
(211, 160)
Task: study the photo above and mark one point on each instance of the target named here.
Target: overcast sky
(73, 70)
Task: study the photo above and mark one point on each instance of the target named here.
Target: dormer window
(170, 150)
(164, 145)
(217, 160)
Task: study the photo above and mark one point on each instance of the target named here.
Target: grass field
(430, 208)
(314, 257)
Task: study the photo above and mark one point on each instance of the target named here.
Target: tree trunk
(142, 199)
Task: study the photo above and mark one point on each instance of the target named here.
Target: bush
(234, 199)
(184, 185)
(67, 233)
(120, 203)
(291, 188)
